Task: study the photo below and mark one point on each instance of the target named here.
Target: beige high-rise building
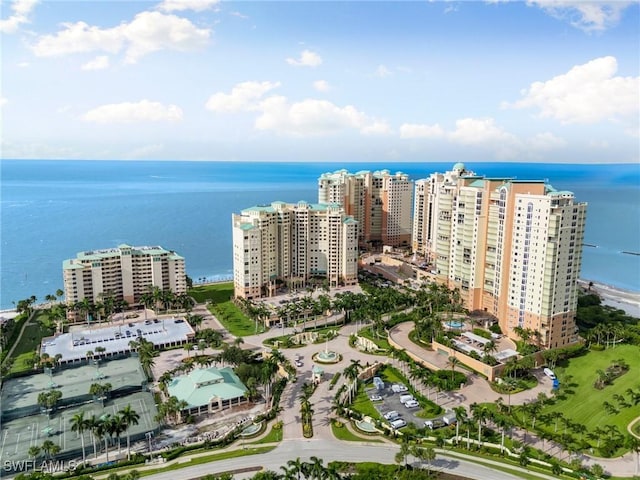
(381, 202)
(513, 248)
(124, 272)
(292, 243)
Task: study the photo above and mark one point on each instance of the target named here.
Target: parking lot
(391, 402)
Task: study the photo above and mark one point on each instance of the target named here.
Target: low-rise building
(208, 390)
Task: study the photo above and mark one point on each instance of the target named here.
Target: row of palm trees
(371, 306)
(306, 410)
(104, 428)
(49, 449)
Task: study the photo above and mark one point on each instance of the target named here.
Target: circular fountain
(327, 356)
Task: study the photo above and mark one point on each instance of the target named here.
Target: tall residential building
(512, 247)
(124, 272)
(293, 243)
(379, 201)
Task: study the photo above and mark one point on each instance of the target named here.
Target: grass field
(221, 305)
(28, 344)
(585, 404)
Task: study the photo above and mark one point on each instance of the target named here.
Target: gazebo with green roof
(208, 390)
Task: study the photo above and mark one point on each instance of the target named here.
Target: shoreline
(616, 297)
(620, 298)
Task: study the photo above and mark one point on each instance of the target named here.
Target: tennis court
(16, 436)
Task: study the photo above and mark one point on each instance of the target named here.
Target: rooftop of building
(200, 386)
(116, 338)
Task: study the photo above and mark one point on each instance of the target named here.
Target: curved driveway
(324, 445)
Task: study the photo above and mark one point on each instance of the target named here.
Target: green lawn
(585, 404)
(221, 305)
(343, 433)
(382, 343)
(275, 435)
(364, 405)
(28, 343)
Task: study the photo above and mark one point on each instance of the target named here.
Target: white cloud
(3, 101)
(127, 112)
(307, 59)
(312, 117)
(23, 64)
(546, 141)
(586, 94)
(413, 130)
(382, 71)
(243, 97)
(478, 131)
(239, 15)
(181, 5)
(590, 16)
(21, 10)
(321, 85)
(376, 128)
(146, 33)
(99, 63)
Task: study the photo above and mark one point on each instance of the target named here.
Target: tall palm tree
(480, 414)
(92, 426)
(461, 416)
(118, 426)
(453, 362)
(79, 424)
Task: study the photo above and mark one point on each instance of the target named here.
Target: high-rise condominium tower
(512, 247)
(125, 273)
(291, 243)
(379, 201)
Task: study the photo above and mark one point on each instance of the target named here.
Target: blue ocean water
(50, 210)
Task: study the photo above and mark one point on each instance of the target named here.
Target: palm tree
(461, 416)
(48, 447)
(117, 427)
(453, 362)
(351, 373)
(79, 424)
(34, 451)
(427, 454)
(405, 450)
(480, 414)
(296, 467)
(103, 430)
(92, 426)
(130, 417)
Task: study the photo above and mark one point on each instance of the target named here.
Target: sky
(527, 81)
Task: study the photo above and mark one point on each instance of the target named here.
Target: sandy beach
(615, 297)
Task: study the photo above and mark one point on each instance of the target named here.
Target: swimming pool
(455, 324)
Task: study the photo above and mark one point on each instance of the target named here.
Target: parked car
(392, 415)
(398, 388)
(405, 398)
(398, 423)
(375, 398)
(412, 404)
(298, 363)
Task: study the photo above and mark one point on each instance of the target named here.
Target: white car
(392, 415)
(398, 388)
(375, 398)
(398, 423)
(298, 363)
(412, 404)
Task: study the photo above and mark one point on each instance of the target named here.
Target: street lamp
(149, 435)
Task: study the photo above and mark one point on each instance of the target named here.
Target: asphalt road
(330, 451)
